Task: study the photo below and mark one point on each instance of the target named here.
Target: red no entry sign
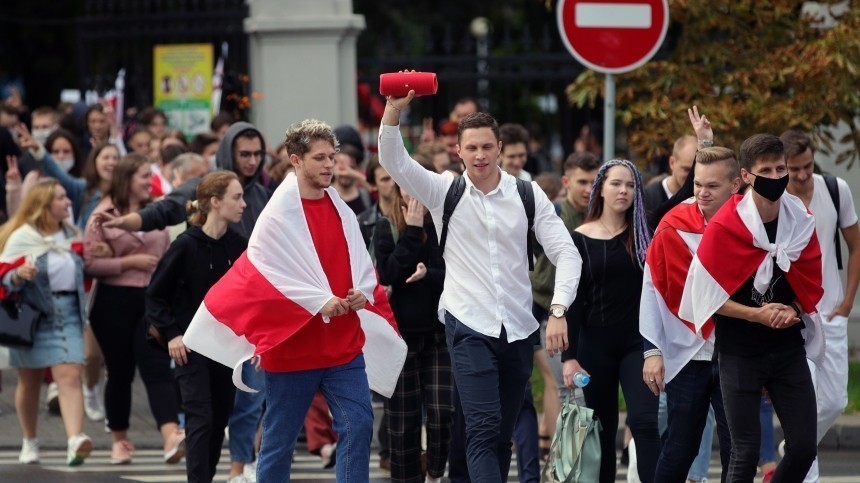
(613, 36)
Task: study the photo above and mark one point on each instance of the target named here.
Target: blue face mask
(770, 188)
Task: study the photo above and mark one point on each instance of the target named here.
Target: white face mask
(41, 135)
(211, 161)
(66, 164)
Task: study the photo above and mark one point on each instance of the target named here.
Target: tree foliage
(751, 66)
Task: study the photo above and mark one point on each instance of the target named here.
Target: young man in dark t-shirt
(757, 271)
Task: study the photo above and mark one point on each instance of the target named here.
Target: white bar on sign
(613, 15)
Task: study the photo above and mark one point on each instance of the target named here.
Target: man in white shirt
(487, 294)
(831, 379)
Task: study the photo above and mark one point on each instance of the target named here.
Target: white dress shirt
(487, 278)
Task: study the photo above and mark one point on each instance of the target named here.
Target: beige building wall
(303, 62)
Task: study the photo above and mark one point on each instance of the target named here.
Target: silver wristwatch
(557, 312)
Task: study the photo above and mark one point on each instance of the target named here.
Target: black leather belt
(62, 293)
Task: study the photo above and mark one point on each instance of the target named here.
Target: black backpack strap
(455, 192)
(833, 189)
(527, 195)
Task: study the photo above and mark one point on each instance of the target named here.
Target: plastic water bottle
(581, 379)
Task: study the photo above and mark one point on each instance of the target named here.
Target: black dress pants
(611, 355)
(207, 397)
(785, 375)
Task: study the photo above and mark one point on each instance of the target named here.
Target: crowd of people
(711, 294)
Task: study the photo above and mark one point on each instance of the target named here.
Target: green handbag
(574, 455)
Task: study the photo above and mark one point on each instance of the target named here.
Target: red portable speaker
(398, 84)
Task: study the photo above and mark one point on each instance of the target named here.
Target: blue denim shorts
(59, 338)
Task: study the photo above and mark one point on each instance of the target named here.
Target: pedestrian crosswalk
(148, 467)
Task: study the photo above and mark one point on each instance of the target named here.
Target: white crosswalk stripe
(148, 467)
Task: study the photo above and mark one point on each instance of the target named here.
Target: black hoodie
(415, 303)
(171, 209)
(192, 264)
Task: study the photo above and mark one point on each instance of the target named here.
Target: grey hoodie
(171, 209)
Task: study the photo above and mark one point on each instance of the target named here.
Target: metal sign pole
(609, 118)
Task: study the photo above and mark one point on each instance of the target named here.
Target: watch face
(557, 312)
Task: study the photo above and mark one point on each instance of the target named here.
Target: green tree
(751, 66)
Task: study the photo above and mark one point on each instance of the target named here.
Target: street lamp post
(480, 29)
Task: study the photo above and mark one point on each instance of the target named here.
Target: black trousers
(491, 375)
(785, 375)
(611, 355)
(424, 383)
(207, 397)
(118, 324)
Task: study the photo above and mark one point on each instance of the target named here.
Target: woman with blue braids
(603, 322)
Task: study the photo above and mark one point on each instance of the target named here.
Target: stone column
(302, 61)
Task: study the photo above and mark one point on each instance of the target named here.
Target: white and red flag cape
(666, 264)
(735, 247)
(278, 285)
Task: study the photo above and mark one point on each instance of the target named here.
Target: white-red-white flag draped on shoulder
(735, 247)
(278, 285)
(669, 256)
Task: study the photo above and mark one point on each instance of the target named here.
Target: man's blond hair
(300, 136)
(716, 154)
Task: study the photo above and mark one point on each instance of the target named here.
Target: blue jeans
(288, 397)
(699, 470)
(247, 408)
(689, 396)
(767, 450)
(700, 466)
(491, 375)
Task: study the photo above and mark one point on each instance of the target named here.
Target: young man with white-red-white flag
(757, 272)
(678, 357)
(306, 300)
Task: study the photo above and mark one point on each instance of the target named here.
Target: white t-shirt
(665, 184)
(61, 268)
(821, 206)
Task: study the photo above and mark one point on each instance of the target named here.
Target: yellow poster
(182, 84)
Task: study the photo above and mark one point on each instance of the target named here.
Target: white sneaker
(52, 399)
(239, 479)
(250, 472)
(93, 405)
(80, 447)
(327, 455)
(29, 451)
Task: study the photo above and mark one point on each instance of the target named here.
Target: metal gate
(115, 34)
(519, 76)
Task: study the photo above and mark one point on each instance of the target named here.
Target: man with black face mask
(757, 271)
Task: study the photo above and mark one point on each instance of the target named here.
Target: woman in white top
(48, 275)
